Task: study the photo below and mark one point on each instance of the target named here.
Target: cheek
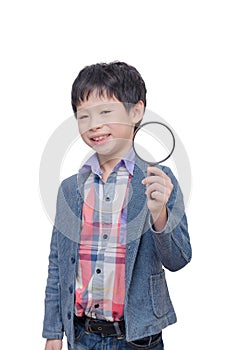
(82, 129)
(127, 131)
(84, 137)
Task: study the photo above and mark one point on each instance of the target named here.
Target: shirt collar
(92, 164)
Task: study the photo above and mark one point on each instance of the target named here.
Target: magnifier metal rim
(173, 139)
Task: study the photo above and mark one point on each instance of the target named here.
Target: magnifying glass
(153, 142)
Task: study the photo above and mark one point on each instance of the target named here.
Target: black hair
(115, 79)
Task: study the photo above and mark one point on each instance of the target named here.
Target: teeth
(99, 138)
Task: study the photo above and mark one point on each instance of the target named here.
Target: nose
(96, 127)
(95, 123)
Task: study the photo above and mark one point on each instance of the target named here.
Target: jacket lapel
(137, 213)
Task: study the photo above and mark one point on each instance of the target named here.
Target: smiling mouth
(99, 139)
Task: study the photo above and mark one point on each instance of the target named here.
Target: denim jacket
(147, 307)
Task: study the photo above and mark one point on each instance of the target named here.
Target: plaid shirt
(100, 287)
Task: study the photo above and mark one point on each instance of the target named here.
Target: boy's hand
(158, 191)
(53, 344)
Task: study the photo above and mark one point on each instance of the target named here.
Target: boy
(116, 226)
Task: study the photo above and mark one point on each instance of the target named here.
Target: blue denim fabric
(148, 307)
(90, 341)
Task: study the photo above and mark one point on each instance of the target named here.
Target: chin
(114, 148)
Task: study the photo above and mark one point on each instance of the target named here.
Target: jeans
(90, 341)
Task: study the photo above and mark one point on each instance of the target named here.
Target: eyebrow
(81, 109)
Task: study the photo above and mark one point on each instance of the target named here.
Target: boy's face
(106, 126)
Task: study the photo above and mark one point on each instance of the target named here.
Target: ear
(137, 111)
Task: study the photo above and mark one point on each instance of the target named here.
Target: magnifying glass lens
(154, 142)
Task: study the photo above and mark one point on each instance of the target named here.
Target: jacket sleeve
(52, 325)
(173, 242)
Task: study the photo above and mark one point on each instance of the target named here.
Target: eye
(106, 112)
(82, 117)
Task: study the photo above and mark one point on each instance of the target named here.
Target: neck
(107, 168)
(107, 164)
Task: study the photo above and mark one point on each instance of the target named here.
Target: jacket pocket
(161, 301)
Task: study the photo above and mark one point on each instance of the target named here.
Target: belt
(106, 328)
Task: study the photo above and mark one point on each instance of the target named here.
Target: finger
(158, 196)
(156, 187)
(155, 171)
(165, 191)
(154, 179)
(164, 180)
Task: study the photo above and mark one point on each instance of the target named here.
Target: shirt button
(73, 260)
(107, 198)
(98, 271)
(69, 315)
(105, 236)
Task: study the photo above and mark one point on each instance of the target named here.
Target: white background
(183, 51)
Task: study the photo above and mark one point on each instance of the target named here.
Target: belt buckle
(90, 329)
(99, 329)
(93, 326)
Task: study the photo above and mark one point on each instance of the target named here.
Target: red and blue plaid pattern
(100, 287)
